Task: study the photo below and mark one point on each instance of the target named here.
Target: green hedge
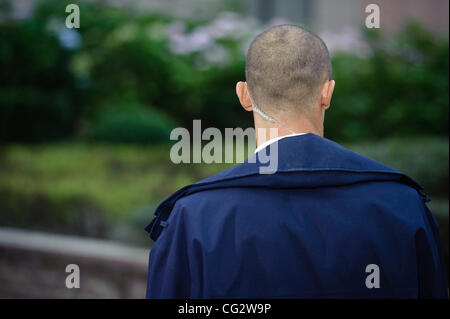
(131, 125)
(56, 183)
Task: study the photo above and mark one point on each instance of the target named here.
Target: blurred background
(85, 117)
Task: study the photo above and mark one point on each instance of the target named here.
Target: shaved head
(286, 68)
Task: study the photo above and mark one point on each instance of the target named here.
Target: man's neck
(266, 131)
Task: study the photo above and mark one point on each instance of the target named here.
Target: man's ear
(327, 93)
(244, 98)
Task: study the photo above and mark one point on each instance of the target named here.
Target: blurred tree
(401, 89)
(39, 97)
(56, 83)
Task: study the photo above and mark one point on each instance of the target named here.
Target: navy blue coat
(308, 231)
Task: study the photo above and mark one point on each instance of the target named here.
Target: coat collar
(305, 160)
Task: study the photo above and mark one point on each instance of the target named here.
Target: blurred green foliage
(95, 190)
(59, 83)
(133, 124)
(400, 90)
(89, 189)
(39, 99)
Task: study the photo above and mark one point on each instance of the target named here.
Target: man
(328, 223)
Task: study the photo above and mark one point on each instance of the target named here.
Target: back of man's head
(286, 68)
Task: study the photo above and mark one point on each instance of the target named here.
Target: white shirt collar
(267, 143)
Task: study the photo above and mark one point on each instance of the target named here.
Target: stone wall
(33, 265)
